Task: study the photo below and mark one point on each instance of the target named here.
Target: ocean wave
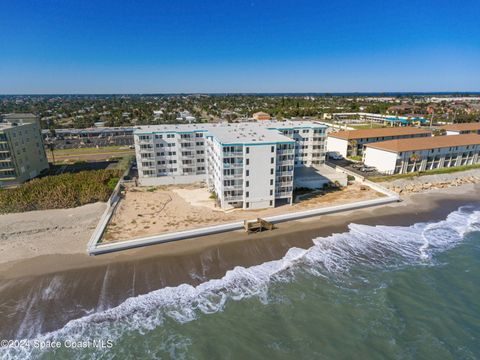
(375, 246)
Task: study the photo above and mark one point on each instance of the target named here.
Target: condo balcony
(233, 154)
(233, 187)
(232, 165)
(279, 194)
(233, 198)
(234, 176)
(286, 152)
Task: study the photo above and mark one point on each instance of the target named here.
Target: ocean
(373, 292)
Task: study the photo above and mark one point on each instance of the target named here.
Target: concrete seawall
(99, 248)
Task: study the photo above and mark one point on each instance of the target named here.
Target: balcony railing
(234, 176)
(284, 183)
(232, 165)
(233, 198)
(284, 172)
(233, 187)
(286, 152)
(232, 154)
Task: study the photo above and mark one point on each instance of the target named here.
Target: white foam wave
(377, 246)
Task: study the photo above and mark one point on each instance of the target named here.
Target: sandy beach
(47, 232)
(104, 281)
(55, 240)
(151, 211)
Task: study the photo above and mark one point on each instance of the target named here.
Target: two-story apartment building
(420, 154)
(351, 142)
(464, 128)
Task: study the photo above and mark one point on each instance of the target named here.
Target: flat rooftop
(9, 125)
(462, 127)
(236, 133)
(426, 143)
(379, 132)
(246, 133)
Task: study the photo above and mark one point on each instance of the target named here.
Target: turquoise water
(380, 292)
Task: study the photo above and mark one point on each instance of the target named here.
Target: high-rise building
(22, 155)
(247, 165)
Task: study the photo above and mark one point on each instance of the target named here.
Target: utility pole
(51, 146)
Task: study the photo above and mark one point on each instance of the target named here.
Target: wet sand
(43, 293)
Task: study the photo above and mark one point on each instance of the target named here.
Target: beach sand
(70, 285)
(35, 233)
(151, 211)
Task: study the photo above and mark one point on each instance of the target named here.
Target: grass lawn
(422, 173)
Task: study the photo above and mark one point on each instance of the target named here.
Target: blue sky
(104, 46)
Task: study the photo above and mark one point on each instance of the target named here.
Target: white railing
(234, 165)
(232, 154)
(233, 198)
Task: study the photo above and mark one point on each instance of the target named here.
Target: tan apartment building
(464, 128)
(352, 142)
(22, 154)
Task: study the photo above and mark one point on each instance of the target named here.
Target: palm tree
(415, 157)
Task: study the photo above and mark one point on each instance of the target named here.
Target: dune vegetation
(60, 191)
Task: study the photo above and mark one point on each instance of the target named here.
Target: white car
(335, 156)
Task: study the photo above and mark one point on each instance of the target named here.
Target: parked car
(357, 166)
(335, 155)
(367, 169)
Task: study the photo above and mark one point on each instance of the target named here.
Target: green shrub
(60, 191)
(112, 183)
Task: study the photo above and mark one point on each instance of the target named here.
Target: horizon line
(317, 93)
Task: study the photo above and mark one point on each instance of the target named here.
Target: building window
(271, 193)
(272, 160)
(271, 203)
(247, 194)
(247, 173)
(271, 181)
(271, 171)
(247, 150)
(247, 184)
(247, 205)
(273, 148)
(248, 161)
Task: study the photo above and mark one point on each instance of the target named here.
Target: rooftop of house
(462, 127)
(428, 143)
(379, 132)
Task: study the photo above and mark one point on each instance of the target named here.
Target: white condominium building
(22, 156)
(247, 165)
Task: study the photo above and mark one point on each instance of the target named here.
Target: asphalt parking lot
(351, 166)
(73, 143)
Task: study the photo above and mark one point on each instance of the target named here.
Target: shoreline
(416, 207)
(71, 286)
